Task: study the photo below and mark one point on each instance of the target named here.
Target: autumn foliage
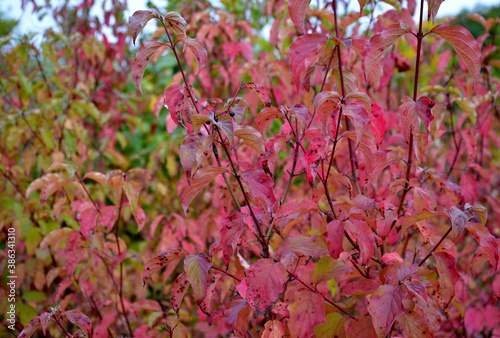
(336, 176)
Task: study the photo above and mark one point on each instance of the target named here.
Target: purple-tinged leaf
(413, 325)
(448, 274)
(486, 240)
(178, 102)
(433, 8)
(297, 10)
(138, 20)
(158, 262)
(202, 178)
(197, 47)
(363, 235)
(260, 185)
(175, 22)
(233, 227)
(144, 55)
(381, 42)
(225, 123)
(314, 246)
(196, 268)
(303, 53)
(31, 328)
(458, 220)
(306, 311)
(386, 304)
(464, 44)
(192, 151)
(79, 319)
(265, 283)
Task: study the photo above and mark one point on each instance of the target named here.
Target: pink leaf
(251, 137)
(360, 327)
(138, 20)
(226, 124)
(107, 218)
(486, 240)
(385, 305)
(79, 319)
(359, 117)
(465, 45)
(265, 279)
(306, 311)
(261, 92)
(192, 151)
(274, 329)
(421, 200)
(179, 104)
(297, 10)
(158, 262)
(413, 325)
(179, 288)
(381, 42)
(232, 312)
(314, 246)
(260, 185)
(87, 217)
(303, 53)
(196, 268)
(144, 55)
(197, 47)
(202, 178)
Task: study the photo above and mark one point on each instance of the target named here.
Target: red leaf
(334, 237)
(261, 92)
(139, 19)
(465, 45)
(360, 327)
(381, 42)
(486, 240)
(377, 123)
(260, 185)
(297, 10)
(202, 178)
(144, 55)
(314, 246)
(196, 268)
(205, 304)
(233, 227)
(79, 319)
(265, 116)
(363, 235)
(158, 262)
(179, 288)
(265, 279)
(303, 53)
(31, 328)
(192, 151)
(198, 48)
(385, 305)
(306, 311)
(232, 312)
(417, 288)
(448, 274)
(416, 118)
(179, 104)
(44, 320)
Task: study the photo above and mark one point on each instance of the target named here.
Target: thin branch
(435, 246)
